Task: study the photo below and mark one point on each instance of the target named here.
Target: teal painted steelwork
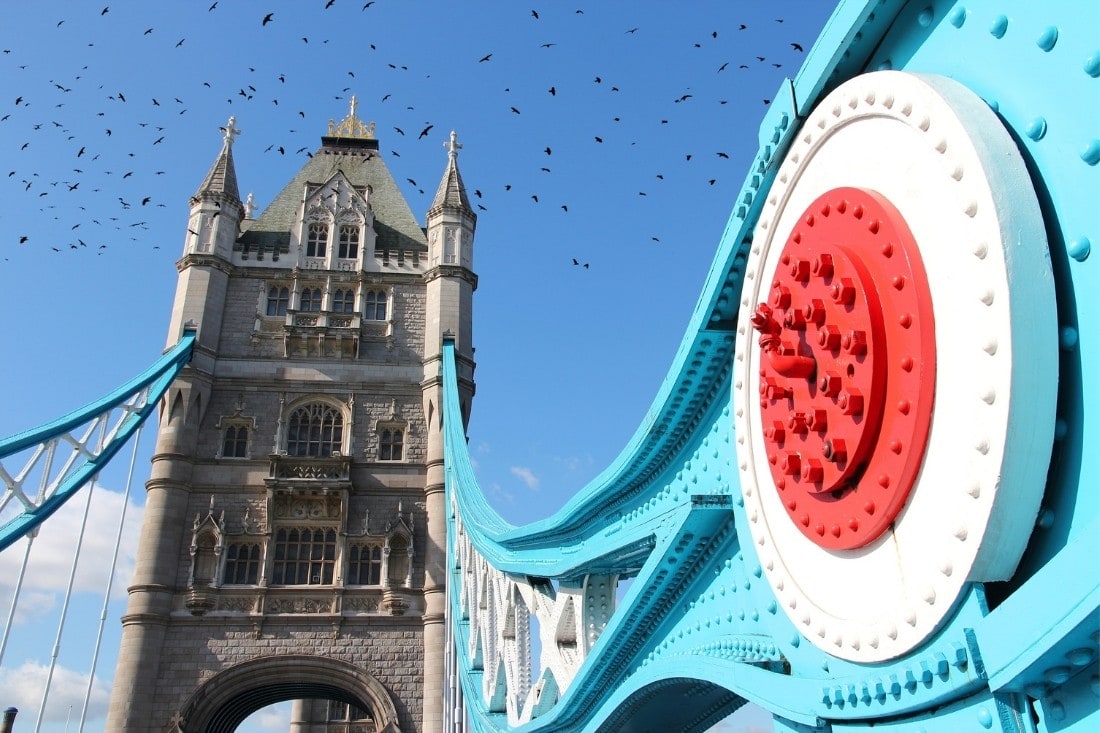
(699, 631)
(146, 388)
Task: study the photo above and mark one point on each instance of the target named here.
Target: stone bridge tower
(294, 534)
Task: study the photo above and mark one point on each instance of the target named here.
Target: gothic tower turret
(295, 519)
(450, 286)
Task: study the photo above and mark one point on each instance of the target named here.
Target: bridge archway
(677, 703)
(225, 700)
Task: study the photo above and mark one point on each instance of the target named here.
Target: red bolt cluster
(845, 331)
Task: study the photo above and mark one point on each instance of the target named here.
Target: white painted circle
(942, 158)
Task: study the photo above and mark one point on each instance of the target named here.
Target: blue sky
(613, 133)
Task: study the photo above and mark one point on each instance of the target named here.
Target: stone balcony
(324, 333)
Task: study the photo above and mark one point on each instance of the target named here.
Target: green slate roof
(360, 161)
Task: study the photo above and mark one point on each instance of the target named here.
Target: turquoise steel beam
(137, 399)
(1013, 644)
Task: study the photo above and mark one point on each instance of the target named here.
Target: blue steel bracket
(99, 441)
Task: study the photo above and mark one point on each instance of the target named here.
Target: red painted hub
(847, 368)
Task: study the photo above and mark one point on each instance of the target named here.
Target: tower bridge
(861, 499)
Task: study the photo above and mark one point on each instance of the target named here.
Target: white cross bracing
(94, 435)
(498, 608)
(37, 475)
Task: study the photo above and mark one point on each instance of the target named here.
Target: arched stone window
(364, 563)
(349, 241)
(235, 442)
(316, 239)
(344, 301)
(242, 563)
(315, 429)
(277, 300)
(376, 305)
(391, 443)
(310, 300)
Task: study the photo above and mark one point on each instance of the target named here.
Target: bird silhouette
(486, 57)
(267, 19)
(425, 131)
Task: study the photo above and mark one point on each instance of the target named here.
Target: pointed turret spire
(222, 178)
(451, 192)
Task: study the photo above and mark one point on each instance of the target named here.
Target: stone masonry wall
(195, 650)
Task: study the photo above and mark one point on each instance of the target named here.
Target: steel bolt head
(835, 450)
(829, 338)
(823, 265)
(814, 312)
(800, 269)
(850, 402)
(854, 342)
(795, 319)
(829, 382)
(797, 422)
(812, 471)
(817, 419)
(843, 291)
(791, 463)
(781, 297)
(775, 433)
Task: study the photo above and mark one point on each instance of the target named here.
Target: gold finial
(230, 131)
(452, 145)
(351, 126)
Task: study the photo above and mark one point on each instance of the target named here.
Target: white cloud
(23, 690)
(497, 492)
(527, 476)
(276, 717)
(52, 552)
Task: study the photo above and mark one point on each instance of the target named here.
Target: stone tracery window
(310, 300)
(315, 429)
(391, 443)
(344, 301)
(278, 298)
(364, 564)
(316, 239)
(304, 556)
(375, 305)
(349, 241)
(242, 563)
(235, 441)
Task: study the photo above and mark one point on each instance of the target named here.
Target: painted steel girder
(1010, 643)
(94, 433)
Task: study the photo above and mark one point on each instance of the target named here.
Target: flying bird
(424, 132)
(797, 47)
(267, 19)
(486, 57)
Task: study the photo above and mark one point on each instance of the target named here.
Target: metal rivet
(999, 26)
(1047, 38)
(1036, 129)
(1079, 248)
(1091, 153)
(957, 17)
(1092, 65)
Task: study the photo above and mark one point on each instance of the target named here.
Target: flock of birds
(125, 137)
